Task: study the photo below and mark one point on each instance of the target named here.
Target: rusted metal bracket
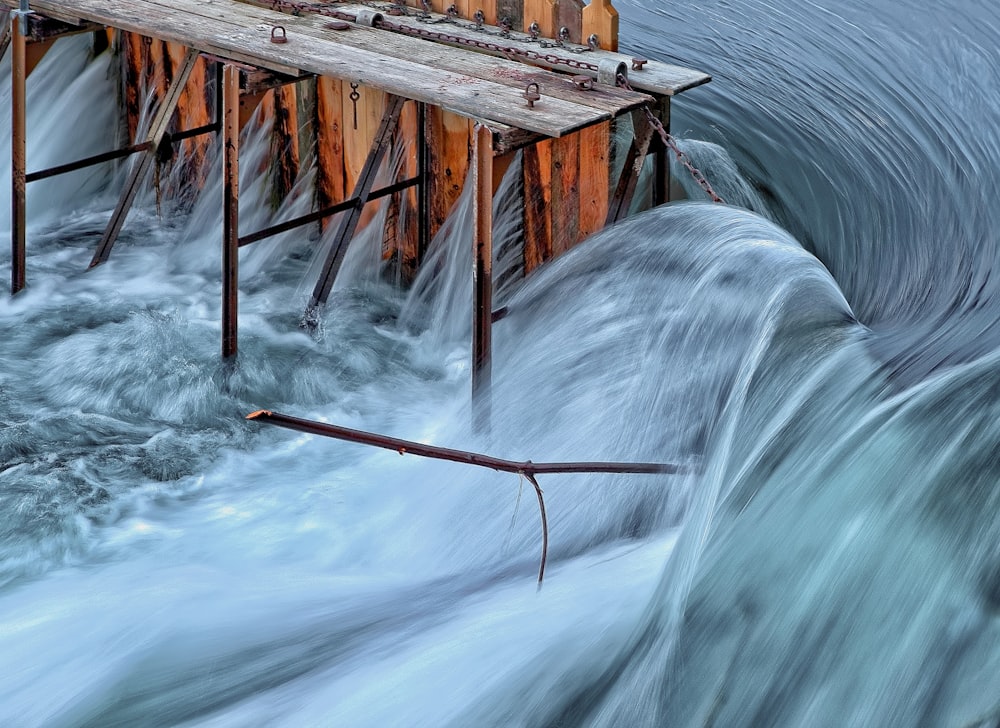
(157, 131)
(634, 160)
(360, 196)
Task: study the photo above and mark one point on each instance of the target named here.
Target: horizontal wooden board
(655, 77)
(226, 29)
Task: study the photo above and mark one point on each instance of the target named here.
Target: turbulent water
(825, 351)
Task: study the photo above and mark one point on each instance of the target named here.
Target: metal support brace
(634, 160)
(482, 282)
(230, 207)
(157, 130)
(18, 157)
(661, 159)
(424, 189)
(361, 195)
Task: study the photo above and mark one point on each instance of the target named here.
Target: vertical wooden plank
(569, 15)
(601, 19)
(565, 194)
(358, 140)
(537, 195)
(489, 8)
(18, 136)
(133, 70)
(448, 139)
(482, 317)
(466, 8)
(230, 207)
(330, 179)
(512, 11)
(544, 13)
(407, 239)
(284, 144)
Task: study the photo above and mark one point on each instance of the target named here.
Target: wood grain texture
(601, 19)
(330, 178)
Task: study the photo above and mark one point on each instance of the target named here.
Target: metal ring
(609, 69)
(367, 16)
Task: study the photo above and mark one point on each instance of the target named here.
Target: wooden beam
(230, 207)
(157, 129)
(482, 316)
(349, 224)
(18, 165)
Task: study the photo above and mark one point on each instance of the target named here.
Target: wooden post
(424, 189)
(157, 129)
(635, 158)
(230, 206)
(482, 314)
(18, 154)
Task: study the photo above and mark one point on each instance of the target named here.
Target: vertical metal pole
(661, 160)
(482, 314)
(19, 150)
(424, 188)
(230, 206)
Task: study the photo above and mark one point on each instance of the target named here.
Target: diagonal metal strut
(360, 195)
(157, 130)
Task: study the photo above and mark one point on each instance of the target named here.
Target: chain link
(510, 52)
(671, 143)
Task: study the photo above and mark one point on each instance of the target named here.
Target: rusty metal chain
(671, 143)
(509, 52)
(328, 9)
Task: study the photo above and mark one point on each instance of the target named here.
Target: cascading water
(833, 560)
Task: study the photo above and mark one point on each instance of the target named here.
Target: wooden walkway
(473, 84)
(529, 80)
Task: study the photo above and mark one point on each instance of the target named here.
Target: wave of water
(826, 358)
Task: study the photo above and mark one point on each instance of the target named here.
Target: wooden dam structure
(457, 89)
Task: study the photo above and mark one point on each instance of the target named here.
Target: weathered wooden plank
(510, 73)
(511, 12)
(543, 12)
(448, 137)
(655, 77)
(601, 19)
(454, 91)
(565, 204)
(569, 15)
(634, 160)
(537, 163)
(330, 182)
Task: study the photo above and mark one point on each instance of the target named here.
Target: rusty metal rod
(230, 207)
(284, 227)
(408, 447)
(116, 154)
(362, 191)
(482, 278)
(18, 137)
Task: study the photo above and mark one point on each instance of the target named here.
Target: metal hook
(532, 93)
(275, 38)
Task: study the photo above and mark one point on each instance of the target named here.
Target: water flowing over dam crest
(824, 348)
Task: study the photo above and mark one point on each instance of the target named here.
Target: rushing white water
(832, 560)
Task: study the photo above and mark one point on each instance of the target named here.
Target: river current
(824, 350)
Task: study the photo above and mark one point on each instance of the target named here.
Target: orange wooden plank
(448, 136)
(601, 19)
(330, 182)
(565, 195)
